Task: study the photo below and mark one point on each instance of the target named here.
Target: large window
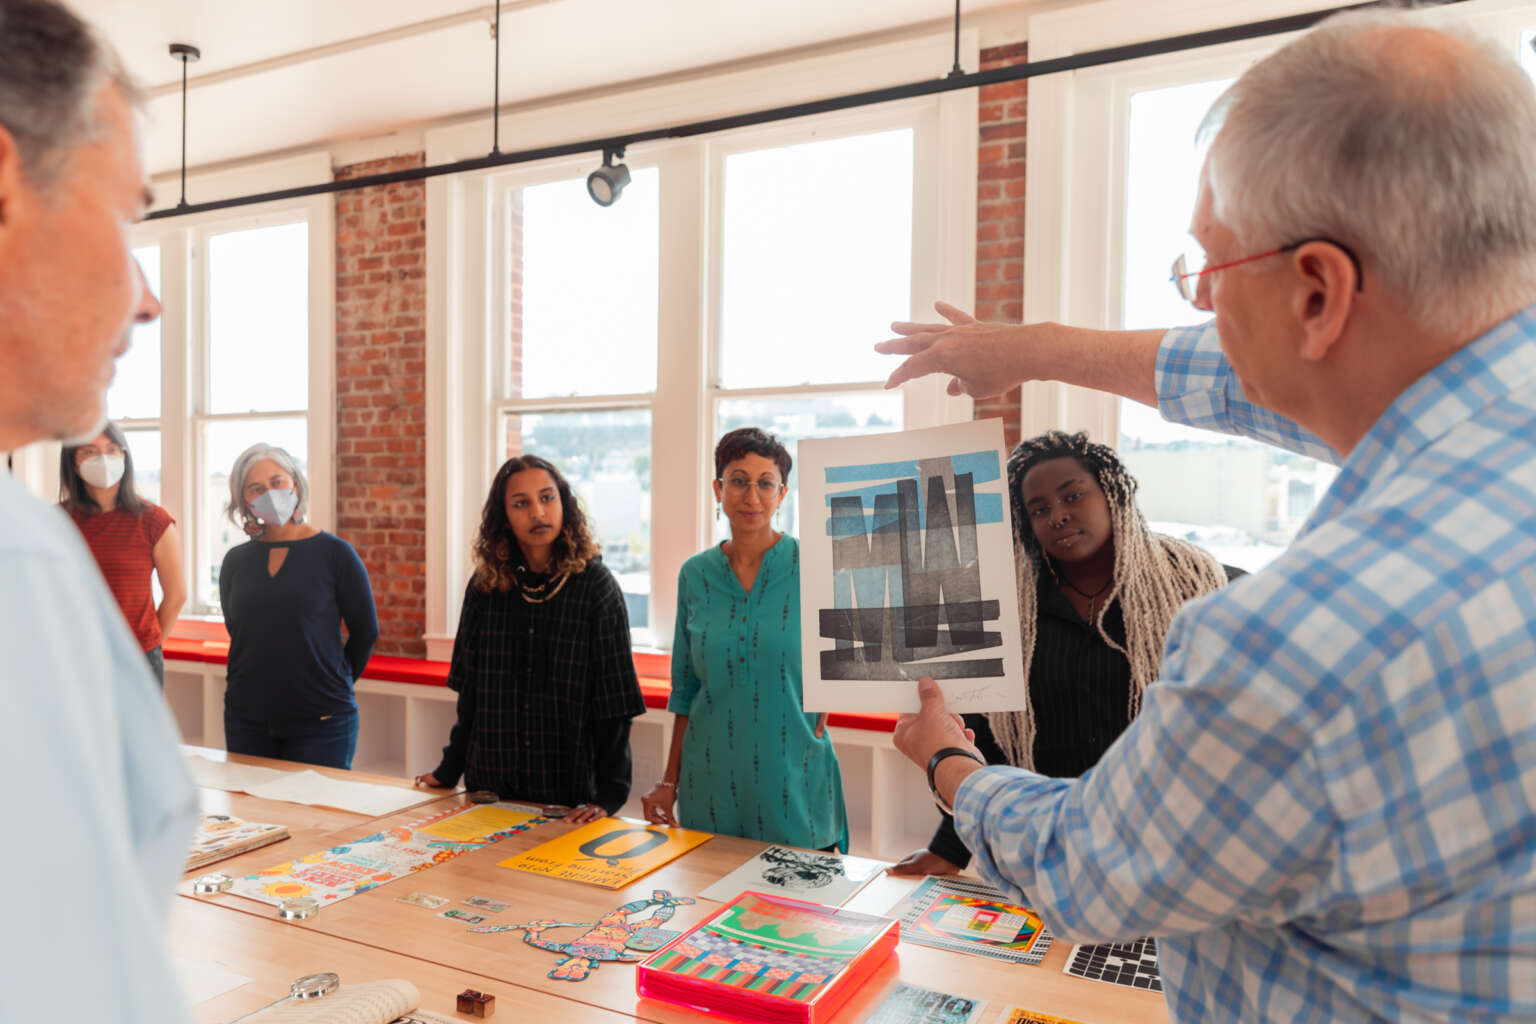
(815, 252)
(578, 376)
(739, 280)
(257, 383)
(1240, 500)
(133, 400)
(242, 353)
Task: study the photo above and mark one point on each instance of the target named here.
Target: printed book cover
(971, 917)
(220, 837)
(770, 958)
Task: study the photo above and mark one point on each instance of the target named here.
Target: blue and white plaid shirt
(1327, 807)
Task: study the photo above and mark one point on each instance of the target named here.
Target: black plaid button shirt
(546, 694)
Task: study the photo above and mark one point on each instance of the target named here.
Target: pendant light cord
(183, 132)
(496, 89)
(955, 71)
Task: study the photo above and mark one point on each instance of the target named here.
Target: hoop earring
(1051, 566)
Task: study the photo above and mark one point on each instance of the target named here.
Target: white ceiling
(441, 68)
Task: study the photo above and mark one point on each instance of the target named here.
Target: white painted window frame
(1078, 130)
(464, 328)
(184, 337)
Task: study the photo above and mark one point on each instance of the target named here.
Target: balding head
(1415, 146)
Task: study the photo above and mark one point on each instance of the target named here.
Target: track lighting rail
(618, 143)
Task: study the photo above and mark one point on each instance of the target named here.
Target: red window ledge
(654, 670)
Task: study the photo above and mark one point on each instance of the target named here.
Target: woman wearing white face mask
(285, 595)
(130, 537)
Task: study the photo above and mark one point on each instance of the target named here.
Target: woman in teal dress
(745, 759)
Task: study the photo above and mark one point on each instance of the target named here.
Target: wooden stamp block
(476, 1004)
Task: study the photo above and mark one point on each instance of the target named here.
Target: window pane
(1240, 500)
(145, 448)
(135, 390)
(258, 319)
(817, 256)
(583, 289)
(606, 457)
(222, 443)
(792, 420)
(144, 445)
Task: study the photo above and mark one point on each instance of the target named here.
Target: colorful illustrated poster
(610, 852)
(772, 946)
(907, 570)
(970, 917)
(802, 874)
(908, 1004)
(367, 863)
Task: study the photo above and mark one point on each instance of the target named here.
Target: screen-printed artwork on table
(371, 861)
(971, 917)
(907, 570)
(1132, 964)
(620, 935)
(826, 878)
(610, 852)
(908, 1004)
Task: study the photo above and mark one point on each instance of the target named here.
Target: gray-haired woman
(285, 595)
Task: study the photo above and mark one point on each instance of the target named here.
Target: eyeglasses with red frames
(1188, 281)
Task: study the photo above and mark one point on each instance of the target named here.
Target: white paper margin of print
(994, 547)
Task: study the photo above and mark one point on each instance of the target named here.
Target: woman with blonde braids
(542, 660)
(1097, 591)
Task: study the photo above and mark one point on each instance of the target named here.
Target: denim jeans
(329, 742)
(156, 658)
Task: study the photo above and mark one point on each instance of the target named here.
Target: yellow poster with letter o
(611, 852)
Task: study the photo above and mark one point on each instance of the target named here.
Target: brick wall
(1000, 213)
(381, 370)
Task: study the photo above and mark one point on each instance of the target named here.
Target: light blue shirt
(99, 808)
(1327, 807)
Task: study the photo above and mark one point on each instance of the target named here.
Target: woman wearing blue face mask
(285, 595)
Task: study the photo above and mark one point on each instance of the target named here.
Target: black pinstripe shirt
(546, 694)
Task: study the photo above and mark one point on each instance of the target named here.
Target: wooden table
(373, 935)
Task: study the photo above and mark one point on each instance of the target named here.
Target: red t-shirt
(124, 546)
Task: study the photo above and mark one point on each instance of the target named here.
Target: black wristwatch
(933, 765)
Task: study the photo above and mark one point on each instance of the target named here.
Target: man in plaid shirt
(1327, 807)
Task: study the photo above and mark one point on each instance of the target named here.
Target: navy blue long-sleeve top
(287, 657)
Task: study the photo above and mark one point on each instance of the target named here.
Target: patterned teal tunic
(752, 765)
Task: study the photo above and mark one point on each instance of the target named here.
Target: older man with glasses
(1327, 808)
(101, 809)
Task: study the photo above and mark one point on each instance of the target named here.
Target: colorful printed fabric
(1327, 807)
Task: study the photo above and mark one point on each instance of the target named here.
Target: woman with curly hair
(542, 661)
(1097, 591)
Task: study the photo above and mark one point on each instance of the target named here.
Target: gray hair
(238, 509)
(1415, 146)
(52, 65)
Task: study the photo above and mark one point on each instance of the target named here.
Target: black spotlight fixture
(606, 183)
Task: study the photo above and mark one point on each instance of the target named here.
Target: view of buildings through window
(1240, 500)
(815, 260)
